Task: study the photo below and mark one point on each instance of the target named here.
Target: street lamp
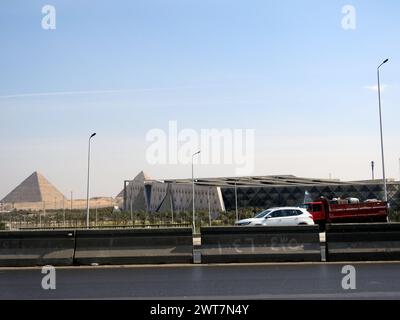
(236, 202)
(399, 169)
(372, 168)
(88, 183)
(194, 221)
(380, 122)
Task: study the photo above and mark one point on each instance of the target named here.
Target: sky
(288, 71)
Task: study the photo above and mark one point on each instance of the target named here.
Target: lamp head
(93, 134)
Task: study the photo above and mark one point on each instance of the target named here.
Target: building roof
(262, 181)
(276, 180)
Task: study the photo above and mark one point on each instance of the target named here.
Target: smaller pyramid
(35, 188)
(140, 177)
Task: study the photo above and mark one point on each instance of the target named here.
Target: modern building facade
(146, 194)
(271, 196)
(221, 194)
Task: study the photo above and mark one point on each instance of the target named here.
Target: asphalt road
(261, 281)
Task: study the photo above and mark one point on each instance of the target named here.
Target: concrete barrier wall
(135, 246)
(260, 244)
(36, 248)
(363, 242)
(344, 242)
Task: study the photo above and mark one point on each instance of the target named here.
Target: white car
(284, 216)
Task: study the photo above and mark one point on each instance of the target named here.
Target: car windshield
(263, 214)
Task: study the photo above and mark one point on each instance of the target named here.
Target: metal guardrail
(137, 226)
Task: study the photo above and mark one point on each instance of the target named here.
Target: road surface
(249, 281)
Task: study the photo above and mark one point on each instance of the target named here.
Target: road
(257, 281)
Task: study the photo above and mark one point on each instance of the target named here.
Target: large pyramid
(35, 188)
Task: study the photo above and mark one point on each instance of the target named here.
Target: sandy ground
(101, 202)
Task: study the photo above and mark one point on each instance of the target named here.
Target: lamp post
(209, 207)
(172, 207)
(380, 123)
(131, 204)
(193, 209)
(88, 183)
(399, 169)
(64, 211)
(236, 203)
(372, 168)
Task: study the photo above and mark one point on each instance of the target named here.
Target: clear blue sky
(286, 69)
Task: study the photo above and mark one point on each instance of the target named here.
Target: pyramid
(141, 177)
(35, 188)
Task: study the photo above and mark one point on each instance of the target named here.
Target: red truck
(324, 211)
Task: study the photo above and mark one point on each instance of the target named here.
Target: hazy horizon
(289, 71)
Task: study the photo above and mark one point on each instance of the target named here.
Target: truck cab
(317, 210)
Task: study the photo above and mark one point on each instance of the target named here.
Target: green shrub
(394, 216)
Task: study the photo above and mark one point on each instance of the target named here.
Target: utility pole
(88, 184)
(399, 169)
(236, 203)
(63, 210)
(40, 216)
(372, 168)
(172, 208)
(131, 200)
(193, 208)
(381, 131)
(209, 207)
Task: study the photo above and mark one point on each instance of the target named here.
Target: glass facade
(276, 196)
